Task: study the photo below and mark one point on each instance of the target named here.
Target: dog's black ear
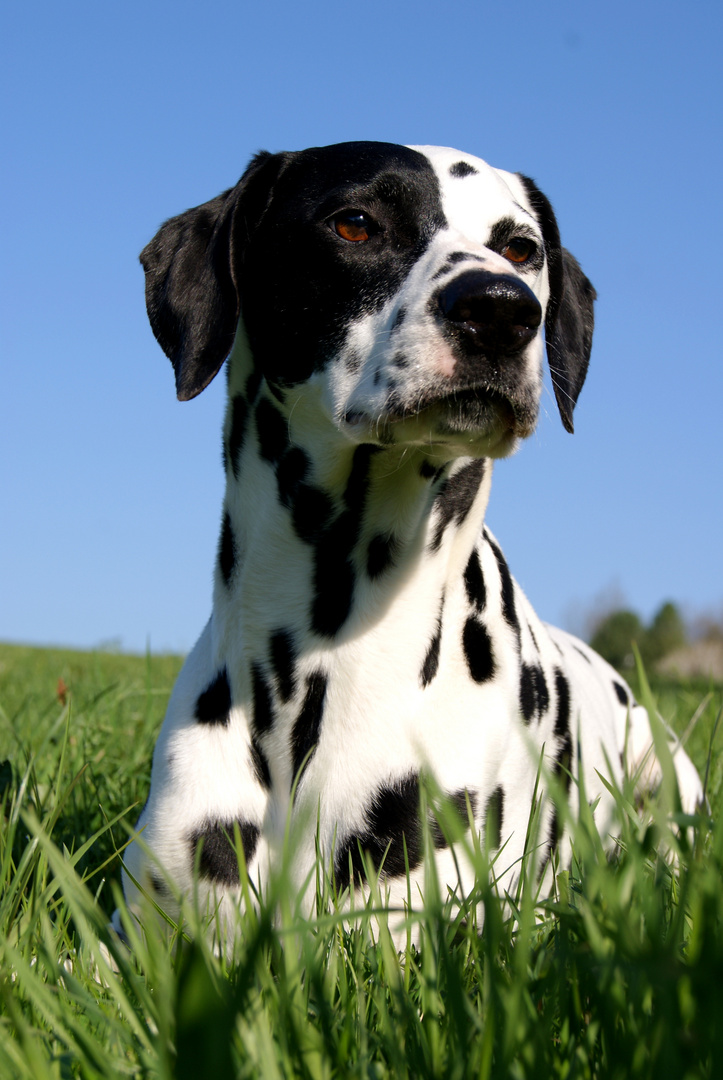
(191, 281)
(570, 317)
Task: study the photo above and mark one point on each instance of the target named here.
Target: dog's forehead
(473, 192)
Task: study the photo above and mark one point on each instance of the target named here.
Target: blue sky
(121, 115)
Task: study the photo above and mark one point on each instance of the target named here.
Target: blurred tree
(614, 636)
(665, 634)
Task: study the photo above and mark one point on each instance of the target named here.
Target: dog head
(408, 286)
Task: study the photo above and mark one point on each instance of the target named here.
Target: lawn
(617, 975)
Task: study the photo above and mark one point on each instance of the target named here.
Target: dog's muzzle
(489, 314)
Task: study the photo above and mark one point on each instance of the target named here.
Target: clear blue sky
(119, 115)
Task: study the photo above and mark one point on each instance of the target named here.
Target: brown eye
(353, 225)
(518, 250)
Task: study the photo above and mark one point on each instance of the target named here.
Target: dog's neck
(324, 536)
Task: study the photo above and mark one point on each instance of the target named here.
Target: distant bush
(616, 633)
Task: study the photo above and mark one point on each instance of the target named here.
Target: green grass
(619, 975)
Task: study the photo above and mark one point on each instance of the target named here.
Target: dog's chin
(478, 423)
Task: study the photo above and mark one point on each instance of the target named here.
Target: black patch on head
(534, 695)
(400, 360)
(621, 692)
(494, 817)
(227, 550)
(478, 650)
(260, 764)
(283, 659)
(457, 802)
(462, 168)
(272, 430)
(239, 410)
(507, 589)
(392, 821)
(218, 861)
(562, 719)
(296, 331)
(431, 660)
(474, 582)
(214, 704)
(382, 552)
(455, 498)
(263, 708)
(307, 726)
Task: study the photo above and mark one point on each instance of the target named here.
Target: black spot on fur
(260, 764)
(239, 410)
(214, 704)
(452, 261)
(399, 318)
(507, 589)
(455, 499)
(272, 431)
(534, 695)
(253, 384)
(334, 577)
(494, 817)
(393, 821)
(218, 860)
(457, 802)
(227, 551)
(562, 719)
(290, 473)
(381, 554)
(158, 885)
(427, 470)
(283, 659)
(307, 727)
(431, 660)
(311, 512)
(474, 582)
(352, 360)
(462, 168)
(562, 765)
(400, 360)
(478, 650)
(621, 692)
(263, 709)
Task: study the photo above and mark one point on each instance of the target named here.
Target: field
(617, 975)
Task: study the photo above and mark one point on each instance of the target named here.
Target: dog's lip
(514, 416)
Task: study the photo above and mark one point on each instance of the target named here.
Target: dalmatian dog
(382, 309)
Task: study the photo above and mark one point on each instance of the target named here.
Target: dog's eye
(353, 225)
(518, 250)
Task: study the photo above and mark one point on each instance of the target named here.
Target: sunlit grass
(617, 975)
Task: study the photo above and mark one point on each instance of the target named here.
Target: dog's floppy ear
(570, 317)
(191, 282)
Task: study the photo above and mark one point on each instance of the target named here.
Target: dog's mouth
(476, 409)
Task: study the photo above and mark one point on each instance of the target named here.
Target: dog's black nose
(490, 312)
